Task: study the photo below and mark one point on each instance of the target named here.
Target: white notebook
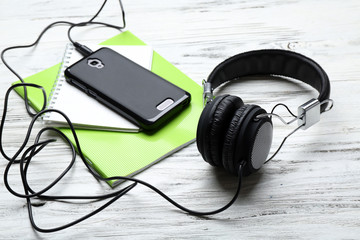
(84, 111)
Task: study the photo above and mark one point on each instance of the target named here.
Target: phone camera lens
(95, 63)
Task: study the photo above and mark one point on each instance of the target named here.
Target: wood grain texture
(309, 191)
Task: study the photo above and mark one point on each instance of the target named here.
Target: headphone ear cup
(248, 140)
(259, 138)
(212, 126)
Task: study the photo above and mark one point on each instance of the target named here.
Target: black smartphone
(136, 93)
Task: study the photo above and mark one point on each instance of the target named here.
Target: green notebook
(121, 153)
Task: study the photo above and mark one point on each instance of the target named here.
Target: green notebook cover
(121, 153)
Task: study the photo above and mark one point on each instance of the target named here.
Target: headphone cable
(30, 152)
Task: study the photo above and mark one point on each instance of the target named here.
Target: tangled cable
(24, 154)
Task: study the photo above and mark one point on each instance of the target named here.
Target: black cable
(38, 145)
(29, 193)
(32, 150)
(4, 116)
(285, 106)
(84, 50)
(27, 106)
(83, 24)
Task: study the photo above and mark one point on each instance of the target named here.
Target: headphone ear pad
(248, 140)
(212, 127)
(233, 143)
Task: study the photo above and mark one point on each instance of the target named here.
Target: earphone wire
(32, 150)
(39, 144)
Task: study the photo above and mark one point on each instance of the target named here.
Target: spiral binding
(60, 79)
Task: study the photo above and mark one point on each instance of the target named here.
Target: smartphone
(136, 93)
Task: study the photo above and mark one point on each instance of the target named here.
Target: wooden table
(310, 190)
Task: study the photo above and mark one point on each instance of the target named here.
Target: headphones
(231, 133)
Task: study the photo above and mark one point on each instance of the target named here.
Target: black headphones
(229, 133)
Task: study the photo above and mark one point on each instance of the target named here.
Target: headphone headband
(272, 62)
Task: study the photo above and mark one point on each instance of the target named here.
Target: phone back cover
(125, 84)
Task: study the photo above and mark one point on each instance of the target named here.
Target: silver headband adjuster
(208, 93)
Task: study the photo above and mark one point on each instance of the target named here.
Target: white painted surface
(310, 190)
